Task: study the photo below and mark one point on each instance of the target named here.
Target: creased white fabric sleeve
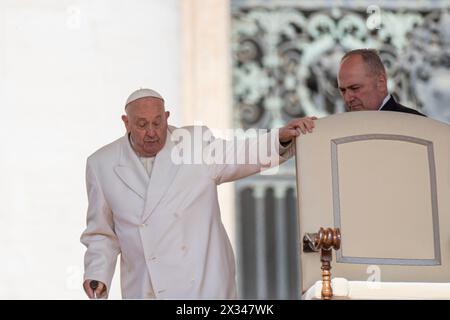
(247, 156)
(99, 236)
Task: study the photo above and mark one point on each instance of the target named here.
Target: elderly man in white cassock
(161, 215)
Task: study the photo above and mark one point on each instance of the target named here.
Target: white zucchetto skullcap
(143, 93)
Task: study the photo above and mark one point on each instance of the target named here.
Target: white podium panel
(383, 178)
(368, 290)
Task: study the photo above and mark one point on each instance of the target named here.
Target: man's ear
(167, 113)
(382, 81)
(125, 121)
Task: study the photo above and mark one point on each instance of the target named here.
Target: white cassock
(167, 226)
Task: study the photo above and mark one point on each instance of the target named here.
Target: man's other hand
(100, 291)
(296, 127)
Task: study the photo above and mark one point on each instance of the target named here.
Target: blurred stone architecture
(285, 59)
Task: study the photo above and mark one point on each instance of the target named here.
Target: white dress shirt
(386, 99)
(147, 162)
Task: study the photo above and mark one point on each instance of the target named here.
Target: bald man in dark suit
(362, 82)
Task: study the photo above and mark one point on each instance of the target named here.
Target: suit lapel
(390, 105)
(163, 174)
(130, 170)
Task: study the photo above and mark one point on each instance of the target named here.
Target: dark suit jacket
(392, 105)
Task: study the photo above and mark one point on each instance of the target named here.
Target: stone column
(206, 78)
(261, 239)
